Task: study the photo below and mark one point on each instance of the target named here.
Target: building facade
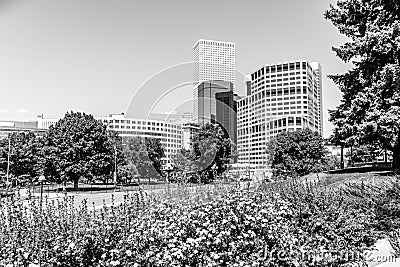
(216, 104)
(280, 97)
(10, 127)
(169, 133)
(213, 60)
(189, 130)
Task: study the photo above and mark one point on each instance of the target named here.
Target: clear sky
(93, 56)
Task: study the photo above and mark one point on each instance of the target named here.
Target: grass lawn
(341, 179)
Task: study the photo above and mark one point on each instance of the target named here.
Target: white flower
(115, 263)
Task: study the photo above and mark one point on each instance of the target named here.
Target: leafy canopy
(80, 146)
(297, 153)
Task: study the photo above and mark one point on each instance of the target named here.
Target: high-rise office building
(216, 103)
(280, 97)
(213, 60)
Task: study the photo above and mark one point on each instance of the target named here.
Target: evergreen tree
(370, 105)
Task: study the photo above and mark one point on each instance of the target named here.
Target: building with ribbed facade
(168, 132)
(280, 97)
(168, 129)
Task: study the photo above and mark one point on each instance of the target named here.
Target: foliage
(155, 151)
(332, 162)
(145, 154)
(181, 160)
(80, 146)
(297, 153)
(363, 153)
(210, 149)
(24, 154)
(289, 223)
(370, 105)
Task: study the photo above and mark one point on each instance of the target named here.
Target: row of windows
(214, 43)
(143, 128)
(149, 133)
(141, 123)
(279, 68)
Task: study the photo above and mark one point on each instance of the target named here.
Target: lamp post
(115, 166)
(41, 180)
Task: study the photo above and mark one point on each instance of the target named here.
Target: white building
(9, 127)
(280, 97)
(169, 133)
(213, 60)
(189, 130)
(43, 123)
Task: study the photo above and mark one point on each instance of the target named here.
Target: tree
(24, 154)
(181, 160)
(80, 146)
(210, 149)
(155, 151)
(297, 153)
(370, 105)
(145, 154)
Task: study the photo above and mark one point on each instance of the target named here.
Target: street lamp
(41, 180)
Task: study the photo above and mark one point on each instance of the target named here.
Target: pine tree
(370, 105)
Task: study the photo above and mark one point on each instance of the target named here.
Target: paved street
(101, 198)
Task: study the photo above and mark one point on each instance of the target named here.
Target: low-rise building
(9, 127)
(169, 133)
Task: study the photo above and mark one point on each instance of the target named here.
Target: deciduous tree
(145, 154)
(297, 153)
(210, 149)
(24, 154)
(81, 146)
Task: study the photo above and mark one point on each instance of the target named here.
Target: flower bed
(289, 224)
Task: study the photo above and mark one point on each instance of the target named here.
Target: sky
(98, 56)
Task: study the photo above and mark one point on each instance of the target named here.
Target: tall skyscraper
(217, 105)
(280, 97)
(213, 60)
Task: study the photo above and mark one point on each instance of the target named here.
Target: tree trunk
(76, 185)
(341, 157)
